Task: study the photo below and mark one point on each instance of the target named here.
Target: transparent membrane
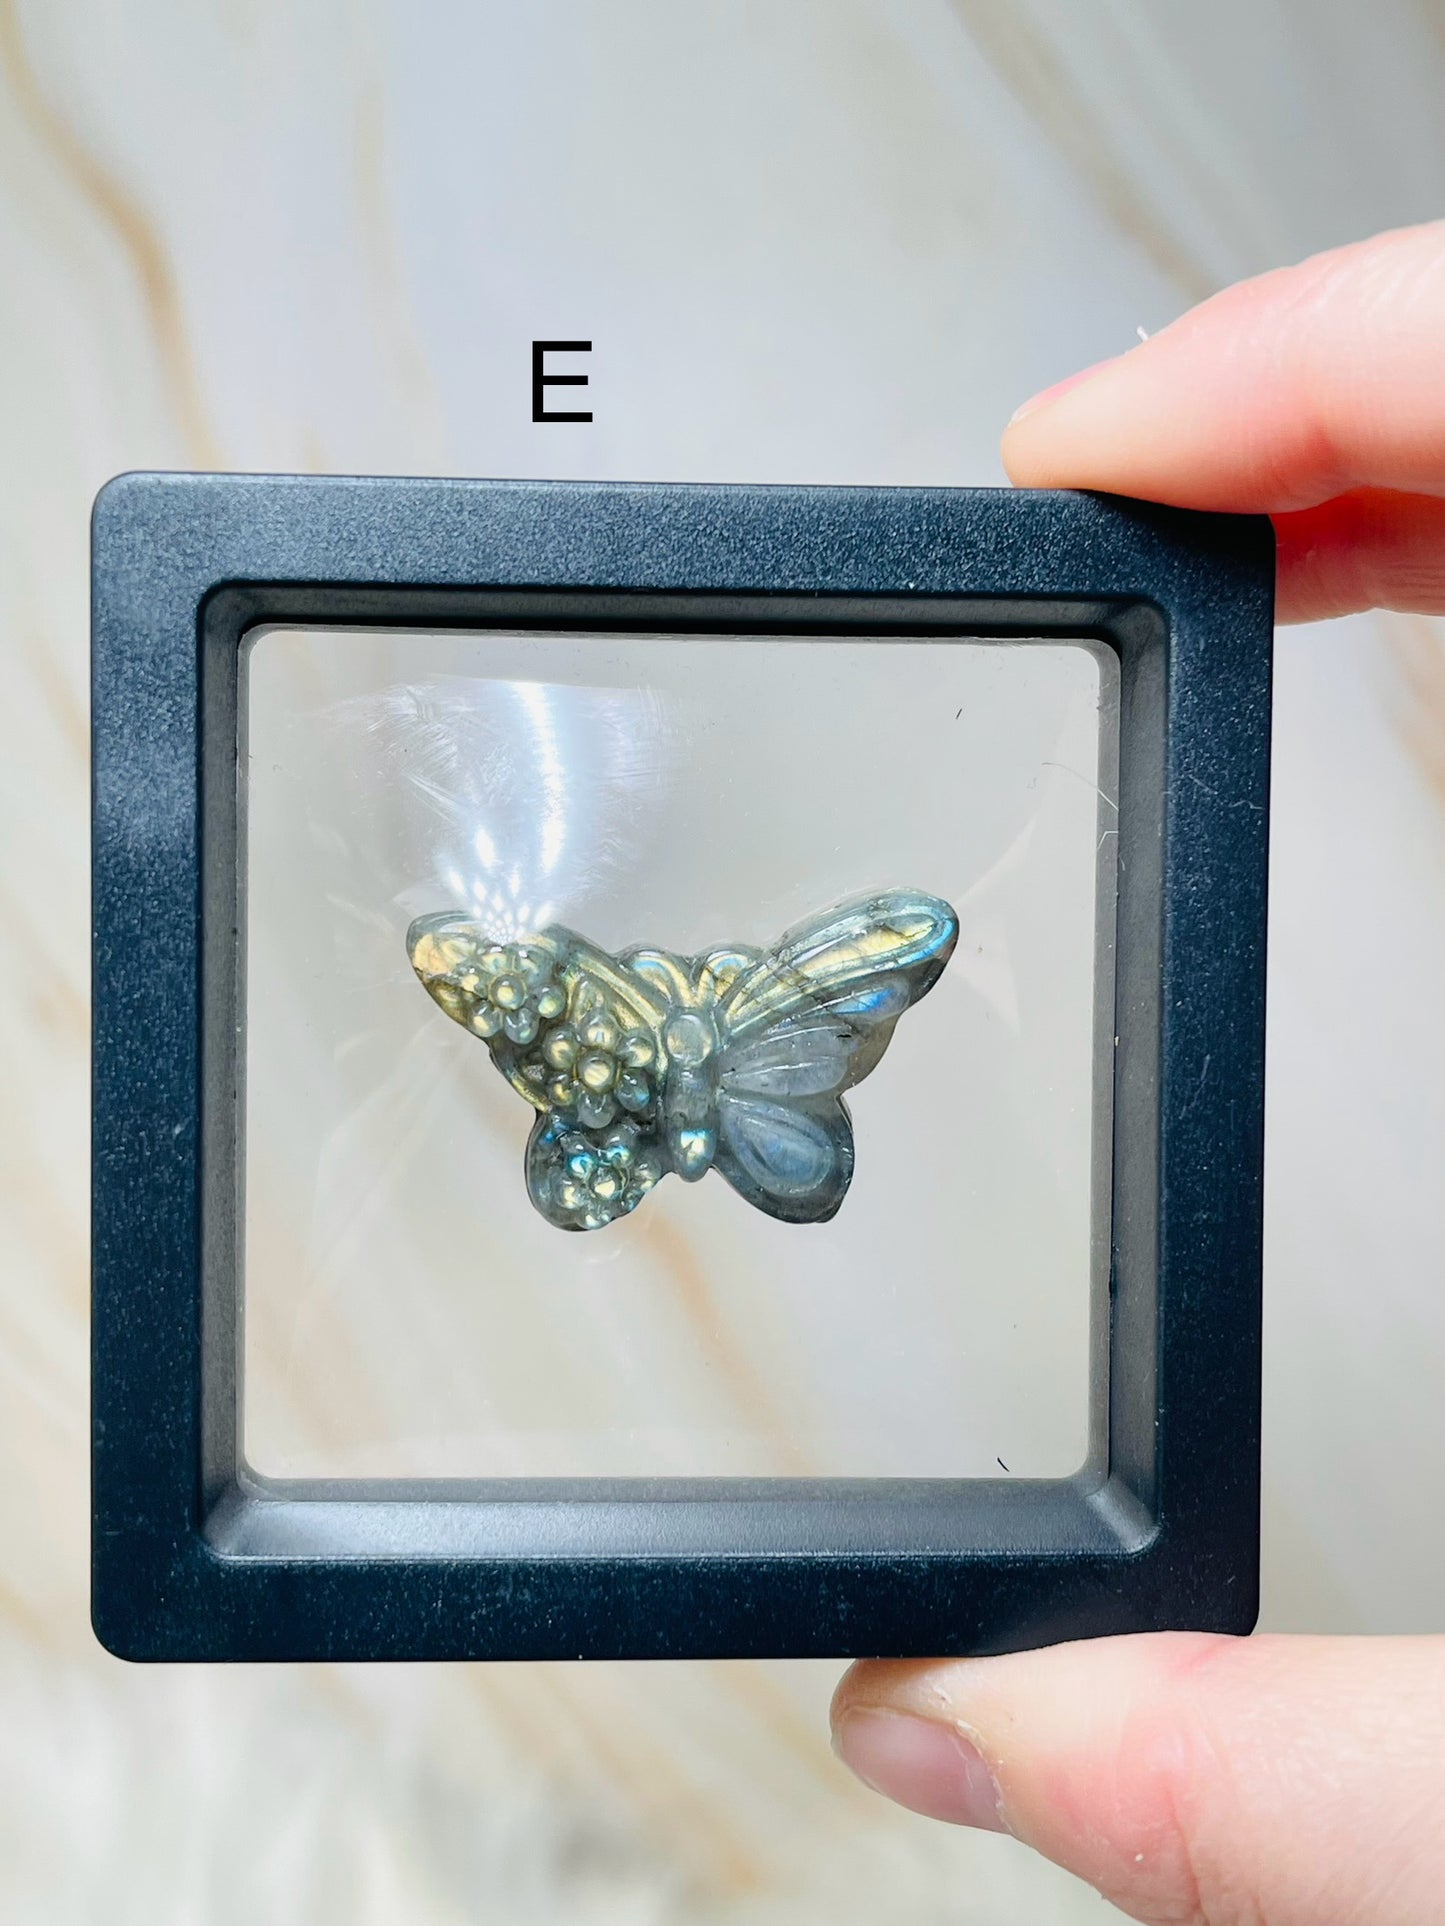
(406, 1311)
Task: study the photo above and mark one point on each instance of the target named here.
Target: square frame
(195, 1557)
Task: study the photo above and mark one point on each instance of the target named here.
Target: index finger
(1277, 394)
(1315, 394)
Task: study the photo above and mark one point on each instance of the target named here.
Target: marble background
(823, 240)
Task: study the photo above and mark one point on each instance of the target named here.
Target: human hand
(1196, 1780)
(1314, 395)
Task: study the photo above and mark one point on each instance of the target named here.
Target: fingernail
(928, 1767)
(1046, 395)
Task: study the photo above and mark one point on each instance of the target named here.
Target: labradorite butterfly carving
(645, 1063)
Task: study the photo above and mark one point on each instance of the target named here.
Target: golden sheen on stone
(647, 1063)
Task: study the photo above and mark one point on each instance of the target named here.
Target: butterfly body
(647, 1063)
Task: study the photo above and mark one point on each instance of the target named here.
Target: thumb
(1194, 1780)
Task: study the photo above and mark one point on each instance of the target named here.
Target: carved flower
(514, 993)
(595, 1069)
(589, 1182)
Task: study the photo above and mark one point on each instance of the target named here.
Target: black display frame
(194, 1557)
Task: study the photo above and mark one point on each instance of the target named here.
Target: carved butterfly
(646, 1063)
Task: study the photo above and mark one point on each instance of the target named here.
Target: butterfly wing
(539, 1005)
(897, 942)
(581, 1180)
(576, 1034)
(793, 1160)
(802, 1024)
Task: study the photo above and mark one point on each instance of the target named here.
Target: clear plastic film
(407, 1310)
